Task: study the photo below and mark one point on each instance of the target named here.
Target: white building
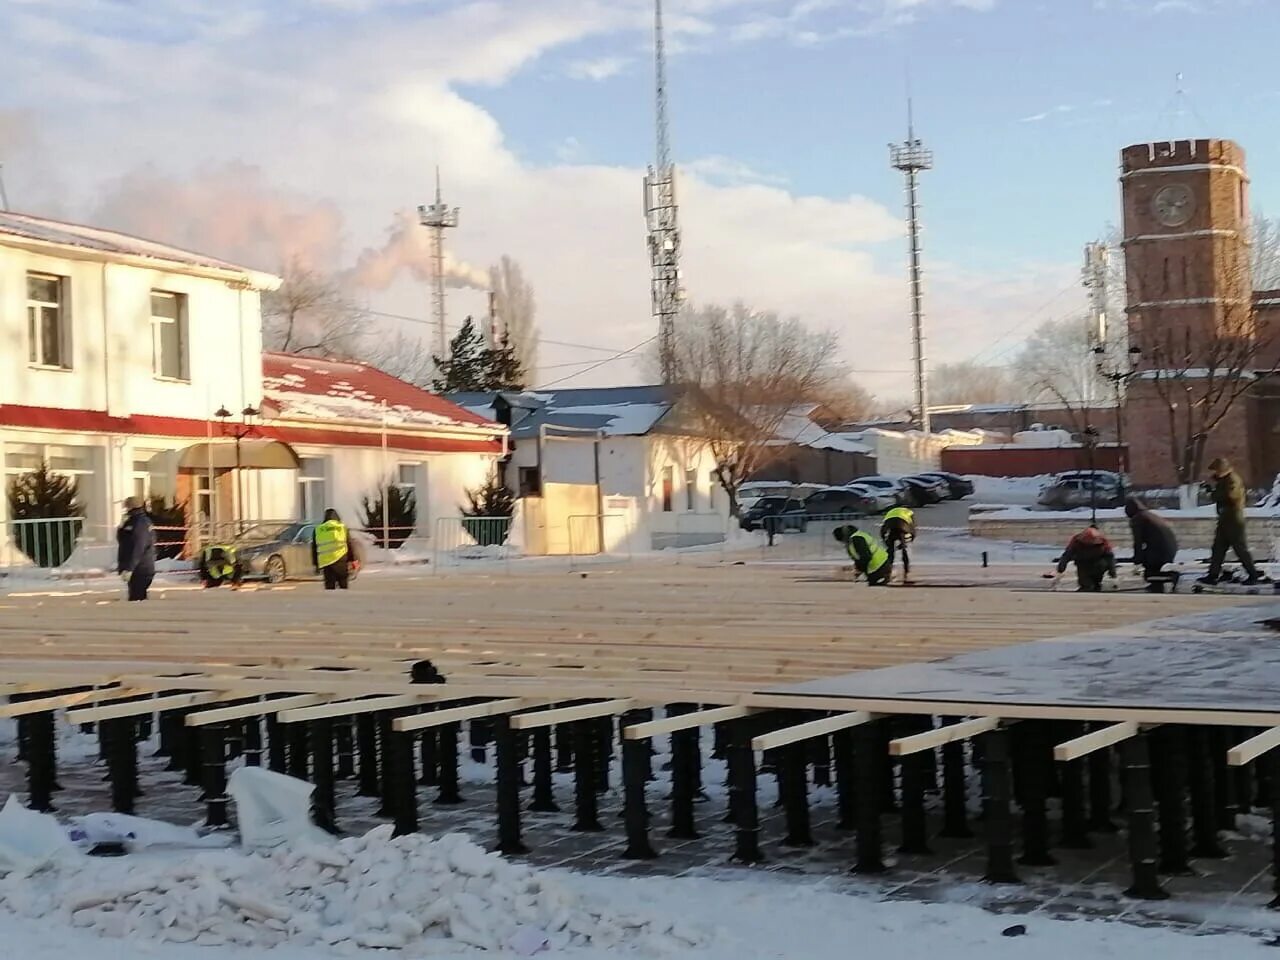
(120, 353)
(618, 464)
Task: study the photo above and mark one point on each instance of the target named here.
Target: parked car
(1082, 489)
(276, 552)
(926, 490)
(840, 502)
(885, 483)
(790, 512)
(959, 487)
(882, 498)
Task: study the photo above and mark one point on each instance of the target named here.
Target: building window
(406, 481)
(311, 492)
(142, 479)
(530, 482)
(169, 335)
(690, 490)
(73, 462)
(711, 491)
(204, 497)
(47, 338)
(668, 483)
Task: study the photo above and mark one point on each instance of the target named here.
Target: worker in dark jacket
(868, 554)
(1090, 551)
(1227, 490)
(1154, 543)
(332, 551)
(136, 550)
(897, 530)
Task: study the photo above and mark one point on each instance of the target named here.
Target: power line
(1021, 321)
(599, 363)
(432, 323)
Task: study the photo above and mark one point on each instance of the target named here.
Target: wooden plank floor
(638, 630)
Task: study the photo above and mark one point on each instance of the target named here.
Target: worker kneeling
(218, 565)
(868, 554)
(897, 530)
(1091, 552)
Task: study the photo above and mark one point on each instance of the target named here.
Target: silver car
(279, 552)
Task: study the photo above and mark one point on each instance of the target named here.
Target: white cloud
(718, 169)
(600, 68)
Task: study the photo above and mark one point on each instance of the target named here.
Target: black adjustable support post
(867, 743)
(367, 746)
(795, 800)
(1224, 782)
(955, 823)
(564, 748)
(507, 747)
(193, 754)
(1135, 756)
(213, 747)
(684, 764)
(41, 761)
(401, 781)
(299, 751)
(382, 724)
(119, 747)
(321, 734)
(915, 832)
(345, 742)
(1100, 801)
(997, 796)
(1029, 744)
(584, 777)
(277, 751)
(603, 742)
(428, 755)
(448, 794)
(544, 800)
(1204, 821)
(252, 741)
(846, 792)
(742, 790)
(1270, 763)
(635, 765)
(1169, 768)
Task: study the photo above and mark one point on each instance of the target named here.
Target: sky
(269, 130)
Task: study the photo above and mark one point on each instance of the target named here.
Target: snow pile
(361, 892)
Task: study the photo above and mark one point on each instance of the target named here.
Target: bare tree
(514, 311)
(402, 355)
(745, 372)
(1057, 365)
(842, 401)
(1264, 234)
(969, 382)
(310, 313)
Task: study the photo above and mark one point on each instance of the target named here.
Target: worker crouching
(1091, 552)
(870, 558)
(219, 565)
(896, 531)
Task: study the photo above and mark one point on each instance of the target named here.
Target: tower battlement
(1177, 153)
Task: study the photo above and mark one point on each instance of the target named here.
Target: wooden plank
(807, 731)
(686, 721)
(260, 708)
(346, 708)
(138, 708)
(24, 707)
(1097, 740)
(586, 711)
(438, 718)
(940, 736)
(1254, 747)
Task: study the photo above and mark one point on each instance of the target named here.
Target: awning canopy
(254, 455)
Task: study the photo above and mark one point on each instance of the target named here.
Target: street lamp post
(1090, 445)
(242, 431)
(1119, 377)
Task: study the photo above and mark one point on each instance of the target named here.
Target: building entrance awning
(254, 455)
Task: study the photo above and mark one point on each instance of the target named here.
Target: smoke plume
(408, 248)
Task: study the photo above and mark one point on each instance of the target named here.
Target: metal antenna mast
(438, 217)
(911, 157)
(661, 216)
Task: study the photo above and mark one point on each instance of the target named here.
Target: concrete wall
(1192, 532)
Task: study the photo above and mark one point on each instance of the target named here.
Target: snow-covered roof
(614, 411)
(27, 227)
(312, 388)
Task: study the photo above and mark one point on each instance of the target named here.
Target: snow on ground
(1008, 490)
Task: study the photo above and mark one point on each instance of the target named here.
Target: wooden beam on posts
(255, 709)
(1083, 746)
(586, 711)
(814, 728)
(20, 708)
(137, 707)
(940, 736)
(699, 718)
(440, 718)
(1254, 747)
(345, 708)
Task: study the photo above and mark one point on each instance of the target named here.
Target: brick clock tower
(1188, 280)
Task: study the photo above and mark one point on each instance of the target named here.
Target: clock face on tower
(1173, 205)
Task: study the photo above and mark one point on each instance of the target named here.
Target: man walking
(868, 554)
(1090, 551)
(331, 551)
(1154, 544)
(136, 549)
(1228, 493)
(897, 530)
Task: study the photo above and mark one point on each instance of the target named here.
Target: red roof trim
(95, 421)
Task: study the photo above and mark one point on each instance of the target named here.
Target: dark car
(960, 487)
(789, 511)
(278, 552)
(839, 502)
(923, 491)
(1082, 488)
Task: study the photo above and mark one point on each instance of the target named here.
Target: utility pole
(4, 196)
(661, 215)
(438, 217)
(911, 158)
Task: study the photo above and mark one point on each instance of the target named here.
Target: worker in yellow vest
(218, 565)
(331, 551)
(868, 554)
(897, 530)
